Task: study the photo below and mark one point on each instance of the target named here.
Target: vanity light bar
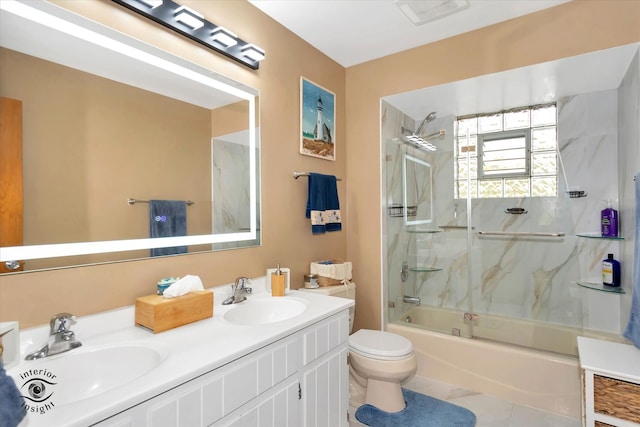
(189, 17)
(151, 3)
(224, 36)
(193, 25)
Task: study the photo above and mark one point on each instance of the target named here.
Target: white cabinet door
(324, 375)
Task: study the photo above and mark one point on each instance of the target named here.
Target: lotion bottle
(609, 221)
(610, 271)
(277, 283)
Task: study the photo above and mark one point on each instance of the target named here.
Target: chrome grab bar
(519, 234)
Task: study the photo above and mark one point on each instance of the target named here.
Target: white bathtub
(541, 379)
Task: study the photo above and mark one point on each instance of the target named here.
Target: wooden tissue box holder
(161, 314)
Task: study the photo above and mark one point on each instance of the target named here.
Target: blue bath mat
(421, 411)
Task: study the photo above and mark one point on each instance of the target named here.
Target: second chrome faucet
(239, 291)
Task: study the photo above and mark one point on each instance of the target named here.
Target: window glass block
(490, 188)
(491, 123)
(541, 116)
(461, 146)
(516, 187)
(543, 139)
(517, 119)
(544, 186)
(544, 163)
(467, 124)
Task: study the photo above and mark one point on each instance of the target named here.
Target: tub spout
(411, 300)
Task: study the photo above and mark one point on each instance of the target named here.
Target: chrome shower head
(430, 117)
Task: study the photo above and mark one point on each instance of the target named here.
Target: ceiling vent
(420, 12)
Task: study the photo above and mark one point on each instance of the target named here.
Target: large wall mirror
(109, 123)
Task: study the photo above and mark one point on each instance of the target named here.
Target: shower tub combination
(508, 292)
(548, 380)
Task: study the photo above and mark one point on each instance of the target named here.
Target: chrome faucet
(411, 300)
(239, 291)
(61, 338)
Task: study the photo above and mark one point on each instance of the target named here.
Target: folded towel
(12, 407)
(632, 332)
(167, 218)
(323, 206)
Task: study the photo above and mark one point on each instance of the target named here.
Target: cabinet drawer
(617, 398)
(601, 424)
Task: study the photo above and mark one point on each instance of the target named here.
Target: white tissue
(183, 286)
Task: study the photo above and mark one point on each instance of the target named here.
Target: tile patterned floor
(490, 411)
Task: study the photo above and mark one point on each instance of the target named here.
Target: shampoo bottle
(610, 271)
(609, 221)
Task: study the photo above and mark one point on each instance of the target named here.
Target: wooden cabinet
(300, 380)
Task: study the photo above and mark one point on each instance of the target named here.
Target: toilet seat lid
(380, 344)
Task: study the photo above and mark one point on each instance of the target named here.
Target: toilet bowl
(379, 363)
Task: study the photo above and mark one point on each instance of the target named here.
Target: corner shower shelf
(601, 287)
(425, 269)
(598, 236)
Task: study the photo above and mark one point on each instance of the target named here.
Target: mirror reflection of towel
(167, 218)
(323, 206)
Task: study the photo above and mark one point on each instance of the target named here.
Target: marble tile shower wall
(529, 278)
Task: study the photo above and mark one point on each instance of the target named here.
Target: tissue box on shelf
(161, 314)
(331, 272)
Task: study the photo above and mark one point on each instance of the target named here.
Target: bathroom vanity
(227, 370)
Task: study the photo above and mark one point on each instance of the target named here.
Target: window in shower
(511, 153)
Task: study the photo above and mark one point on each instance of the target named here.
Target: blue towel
(12, 407)
(632, 333)
(167, 218)
(323, 206)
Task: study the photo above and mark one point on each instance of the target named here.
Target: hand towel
(632, 332)
(167, 218)
(323, 206)
(12, 407)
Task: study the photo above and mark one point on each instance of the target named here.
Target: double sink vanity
(267, 361)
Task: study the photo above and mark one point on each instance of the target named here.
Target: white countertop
(618, 360)
(193, 350)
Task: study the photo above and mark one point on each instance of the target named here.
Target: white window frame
(497, 136)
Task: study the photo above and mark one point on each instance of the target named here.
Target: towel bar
(134, 201)
(520, 234)
(297, 175)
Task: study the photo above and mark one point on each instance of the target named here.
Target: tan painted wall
(573, 28)
(32, 298)
(570, 29)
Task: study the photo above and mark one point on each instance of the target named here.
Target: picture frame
(317, 121)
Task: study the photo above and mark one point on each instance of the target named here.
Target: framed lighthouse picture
(317, 121)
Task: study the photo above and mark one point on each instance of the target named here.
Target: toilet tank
(341, 291)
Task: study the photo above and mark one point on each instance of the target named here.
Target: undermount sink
(84, 372)
(260, 311)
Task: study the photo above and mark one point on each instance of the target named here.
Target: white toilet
(379, 362)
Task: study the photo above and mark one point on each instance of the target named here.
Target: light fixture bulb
(224, 36)
(151, 3)
(189, 17)
(252, 51)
